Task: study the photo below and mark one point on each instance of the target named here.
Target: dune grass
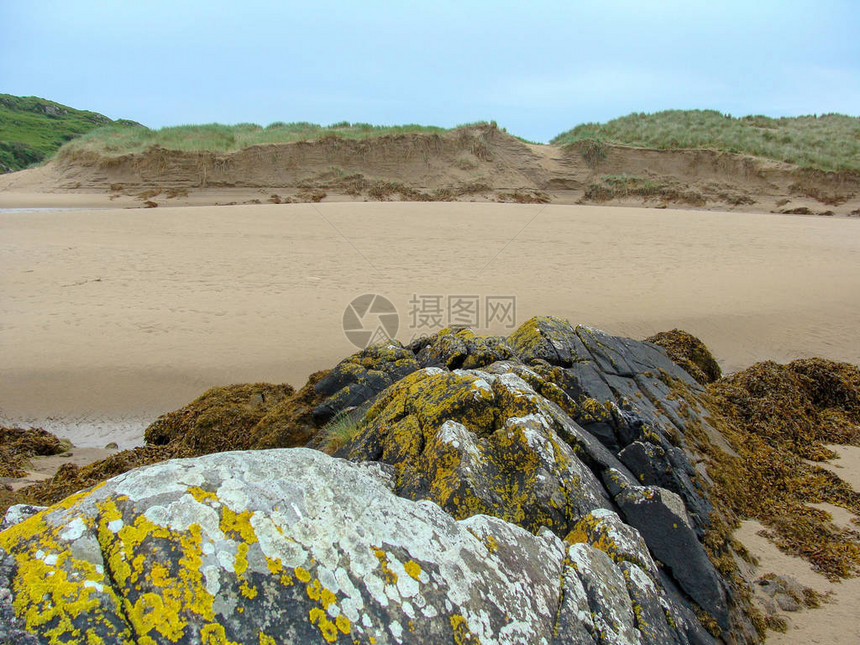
(117, 140)
(32, 129)
(826, 142)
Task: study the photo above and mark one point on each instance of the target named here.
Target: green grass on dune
(32, 129)
(118, 140)
(826, 142)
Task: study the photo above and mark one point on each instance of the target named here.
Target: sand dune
(471, 163)
(110, 317)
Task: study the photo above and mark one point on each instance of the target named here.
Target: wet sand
(111, 317)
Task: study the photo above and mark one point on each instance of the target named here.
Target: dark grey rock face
(361, 377)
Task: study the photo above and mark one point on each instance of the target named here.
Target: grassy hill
(32, 129)
(119, 139)
(826, 142)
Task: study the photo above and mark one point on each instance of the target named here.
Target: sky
(537, 68)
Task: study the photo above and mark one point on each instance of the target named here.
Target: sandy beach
(113, 316)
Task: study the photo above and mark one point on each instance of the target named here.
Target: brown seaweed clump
(778, 419)
(18, 446)
(689, 353)
(221, 419)
(806, 403)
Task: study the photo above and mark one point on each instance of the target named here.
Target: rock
(296, 546)
(785, 591)
(461, 348)
(660, 517)
(112, 446)
(606, 531)
(556, 432)
(649, 606)
(606, 592)
(479, 442)
(549, 339)
(664, 467)
(12, 629)
(361, 377)
(18, 513)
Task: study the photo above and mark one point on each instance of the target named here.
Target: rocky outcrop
(553, 486)
(565, 422)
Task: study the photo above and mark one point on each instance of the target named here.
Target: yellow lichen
(302, 574)
(159, 575)
(462, 634)
(413, 569)
(265, 639)
(247, 590)
(149, 613)
(237, 526)
(323, 596)
(59, 592)
(240, 562)
(276, 567)
(492, 544)
(214, 634)
(203, 496)
(343, 624)
(388, 575)
(327, 628)
(128, 554)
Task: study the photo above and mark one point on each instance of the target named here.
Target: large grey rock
(552, 431)
(606, 591)
(293, 546)
(284, 544)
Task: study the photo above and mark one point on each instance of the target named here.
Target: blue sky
(536, 68)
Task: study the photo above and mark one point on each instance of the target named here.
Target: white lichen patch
(74, 530)
(460, 438)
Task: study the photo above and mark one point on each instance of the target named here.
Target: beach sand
(110, 317)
